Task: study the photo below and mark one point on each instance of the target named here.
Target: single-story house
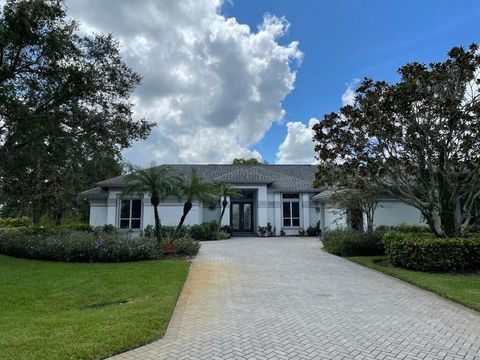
(282, 195)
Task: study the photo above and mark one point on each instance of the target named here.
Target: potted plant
(269, 229)
(262, 230)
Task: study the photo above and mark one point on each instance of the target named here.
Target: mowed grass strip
(52, 310)
(461, 288)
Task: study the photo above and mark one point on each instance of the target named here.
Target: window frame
(290, 198)
(130, 218)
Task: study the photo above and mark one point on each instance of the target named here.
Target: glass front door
(242, 217)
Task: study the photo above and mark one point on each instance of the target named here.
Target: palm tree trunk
(224, 206)
(157, 221)
(186, 208)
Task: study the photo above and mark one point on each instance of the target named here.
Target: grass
(461, 288)
(62, 311)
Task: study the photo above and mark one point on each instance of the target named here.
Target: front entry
(242, 216)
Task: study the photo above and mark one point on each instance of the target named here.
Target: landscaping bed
(53, 310)
(104, 244)
(461, 287)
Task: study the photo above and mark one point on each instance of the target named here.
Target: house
(282, 195)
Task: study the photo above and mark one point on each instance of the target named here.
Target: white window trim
(291, 218)
(119, 218)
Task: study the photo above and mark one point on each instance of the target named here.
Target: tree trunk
(36, 214)
(186, 208)
(224, 206)
(155, 201)
(369, 222)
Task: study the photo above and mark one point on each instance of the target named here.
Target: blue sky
(219, 75)
(346, 40)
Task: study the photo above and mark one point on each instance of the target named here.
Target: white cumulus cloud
(212, 85)
(348, 97)
(297, 148)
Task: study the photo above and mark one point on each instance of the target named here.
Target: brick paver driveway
(284, 298)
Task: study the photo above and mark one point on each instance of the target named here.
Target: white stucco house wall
(282, 195)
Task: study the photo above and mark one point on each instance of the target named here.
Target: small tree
(226, 190)
(156, 180)
(364, 199)
(193, 188)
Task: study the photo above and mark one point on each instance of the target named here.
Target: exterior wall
(393, 212)
(210, 215)
(331, 218)
(389, 212)
(268, 209)
(107, 211)
(98, 212)
(315, 213)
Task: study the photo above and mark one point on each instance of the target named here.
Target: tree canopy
(419, 139)
(250, 161)
(64, 105)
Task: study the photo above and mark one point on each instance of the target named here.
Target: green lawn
(464, 289)
(63, 311)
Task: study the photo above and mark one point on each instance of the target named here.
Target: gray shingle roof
(97, 192)
(277, 177)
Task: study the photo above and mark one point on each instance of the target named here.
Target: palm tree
(225, 190)
(156, 180)
(193, 188)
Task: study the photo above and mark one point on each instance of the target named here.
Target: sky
(249, 78)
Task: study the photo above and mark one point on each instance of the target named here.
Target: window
(131, 214)
(291, 210)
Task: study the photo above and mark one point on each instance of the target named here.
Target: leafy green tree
(363, 200)
(193, 188)
(418, 139)
(158, 181)
(226, 190)
(64, 99)
(250, 161)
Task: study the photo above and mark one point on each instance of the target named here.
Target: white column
(278, 213)
(306, 210)
(226, 215)
(262, 206)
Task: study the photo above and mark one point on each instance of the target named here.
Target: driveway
(284, 298)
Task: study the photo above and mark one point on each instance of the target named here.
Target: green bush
(186, 246)
(58, 244)
(406, 228)
(314, 230)
(425, 252)
(205, 231)
(344, 242)
(15, 222)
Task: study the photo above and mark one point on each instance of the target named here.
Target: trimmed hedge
(425, 252)
(345, 242)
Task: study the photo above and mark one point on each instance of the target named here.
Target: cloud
(297, 148)
(348, 97)
(212, 85)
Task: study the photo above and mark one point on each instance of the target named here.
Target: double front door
(242, 217)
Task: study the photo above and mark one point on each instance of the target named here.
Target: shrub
(168, 231)
(314, 230)
(222, 235)
(351, 243)
(15, 222)
(406, 228)
(301, 232)
(205, 231)
(74, 246)
(425, 252)
(187, 246)
(226, 229)
(78, 227)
